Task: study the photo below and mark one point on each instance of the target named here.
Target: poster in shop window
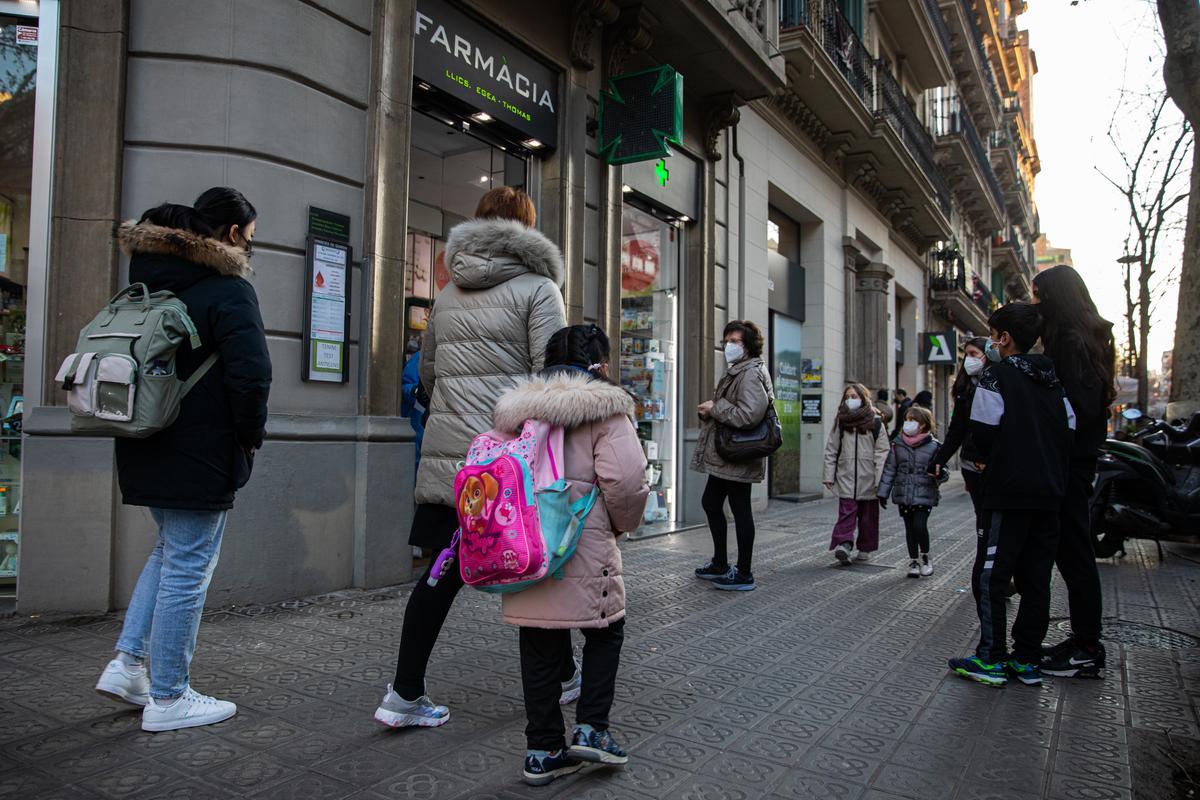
(786, 371)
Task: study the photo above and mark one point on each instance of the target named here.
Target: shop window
(650, 253)
(18, 77)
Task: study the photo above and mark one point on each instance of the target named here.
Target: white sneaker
(842, 554)
(926, 566)
(127, 684)
(189, 711)
(572, 689)
(861, 556)
(396, 712)
(914, 569)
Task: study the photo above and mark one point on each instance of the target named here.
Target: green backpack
(120, 381)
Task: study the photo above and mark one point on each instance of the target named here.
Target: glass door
(650, 253)
(18, 78)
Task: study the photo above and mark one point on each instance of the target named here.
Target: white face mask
(853, 404)
(973, 365)
(911, 427)
(734, 352)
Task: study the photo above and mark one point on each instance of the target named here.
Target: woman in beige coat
(854, 458)
(741, 401)
(601, 448)
(487, 329)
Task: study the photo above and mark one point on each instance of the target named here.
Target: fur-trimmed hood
(482, 253)
(565, 399)
(146, 239)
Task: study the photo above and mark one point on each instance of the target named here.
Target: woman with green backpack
(600, 448)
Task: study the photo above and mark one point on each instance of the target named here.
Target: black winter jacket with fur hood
(203, 458)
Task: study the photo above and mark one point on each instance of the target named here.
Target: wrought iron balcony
(965, 157)
(894, 109)
(836, 36)
(982, 296)
(954, 293)
(976, 78)
(939, 24)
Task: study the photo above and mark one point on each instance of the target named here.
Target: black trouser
(973, 481)
(916, 528)
(545, 655)
(1076, 558)
(1018, 544)
(716, 492)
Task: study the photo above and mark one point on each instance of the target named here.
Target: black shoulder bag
(749, 444)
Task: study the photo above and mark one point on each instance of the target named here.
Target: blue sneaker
(543, 766)
(976, 669)
(1028, 674)
(589, 744)
(736, 581)
(396, 712)
(712, 570)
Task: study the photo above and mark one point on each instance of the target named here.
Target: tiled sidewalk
(827, 682)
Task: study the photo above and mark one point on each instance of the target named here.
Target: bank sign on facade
(461, 57)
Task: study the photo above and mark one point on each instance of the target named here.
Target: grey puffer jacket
(905, 474)
(487, 330)
(740, 401)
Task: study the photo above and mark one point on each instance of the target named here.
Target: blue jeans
(169, 597)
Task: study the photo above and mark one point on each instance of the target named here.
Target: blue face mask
(992, 351)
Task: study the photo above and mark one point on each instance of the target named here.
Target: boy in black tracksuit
(1023, 426)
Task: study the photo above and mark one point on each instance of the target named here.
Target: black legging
(716, 492)
(916, 529)
(973, 480)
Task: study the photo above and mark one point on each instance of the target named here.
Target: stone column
(386, 209)
(849, 269)
(872, 348)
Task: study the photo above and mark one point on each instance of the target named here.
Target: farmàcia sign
(460, 56)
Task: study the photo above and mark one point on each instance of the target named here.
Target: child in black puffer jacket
(906, 480)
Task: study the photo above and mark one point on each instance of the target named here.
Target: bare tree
(1181, 72)
(1154, 185)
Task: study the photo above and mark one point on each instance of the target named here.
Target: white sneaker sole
(542, 778)
(395, 719)
(119, 694)
(596, 756)
(189, 722)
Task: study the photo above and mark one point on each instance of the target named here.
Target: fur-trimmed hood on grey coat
(486, 329)
(601, 448)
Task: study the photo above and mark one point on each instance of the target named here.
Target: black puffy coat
(200, 461)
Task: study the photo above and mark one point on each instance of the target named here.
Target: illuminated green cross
(664, 174)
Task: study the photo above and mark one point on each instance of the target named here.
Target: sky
(1085, 54)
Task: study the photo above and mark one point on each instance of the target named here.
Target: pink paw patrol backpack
(517, 524)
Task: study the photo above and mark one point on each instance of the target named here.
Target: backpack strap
(200, 372)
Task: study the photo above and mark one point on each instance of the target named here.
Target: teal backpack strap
(200, 372)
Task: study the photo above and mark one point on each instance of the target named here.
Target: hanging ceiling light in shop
(482, 116)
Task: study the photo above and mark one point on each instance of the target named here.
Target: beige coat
(486, 330)
(854, 461)
(740, 401)
(600, 447)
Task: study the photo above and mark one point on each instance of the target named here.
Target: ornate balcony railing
(893, 107)
(949, 274)
(977, 37)
(825, 21)
(939, 24)
(950, 118)
(982, 296)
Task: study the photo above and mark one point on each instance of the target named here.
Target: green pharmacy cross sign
(641, 115)
(664, 174)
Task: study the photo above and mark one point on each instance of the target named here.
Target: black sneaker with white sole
(736, 581)
(1078, 661)
(712, 570)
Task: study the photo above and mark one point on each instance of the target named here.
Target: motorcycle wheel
(1105, 544)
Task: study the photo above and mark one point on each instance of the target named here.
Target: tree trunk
(1185, 361)
(1181, 71)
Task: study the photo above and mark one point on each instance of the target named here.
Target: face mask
(733, 352)
(853, 404)
(992, 352)
(973, 365)
(911, 427)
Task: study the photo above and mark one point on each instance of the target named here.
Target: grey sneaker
(125, 683)
(396, 712)
(859, 555)
(571, 689)
(192, 710)
(926, 566)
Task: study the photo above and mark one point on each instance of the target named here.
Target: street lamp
(1131, 259)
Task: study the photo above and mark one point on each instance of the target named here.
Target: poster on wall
(786, 371)
(327, 299)
(810, 408)
(811, 373)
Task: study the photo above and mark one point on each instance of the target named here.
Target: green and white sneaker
(976, 669)
(1028, 674)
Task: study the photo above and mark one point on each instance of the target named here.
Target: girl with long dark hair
(958, 436)
(1080, 342)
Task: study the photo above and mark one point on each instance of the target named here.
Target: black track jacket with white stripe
(1023, 426)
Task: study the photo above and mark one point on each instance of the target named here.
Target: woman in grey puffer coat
(906, 480)
(487, 331)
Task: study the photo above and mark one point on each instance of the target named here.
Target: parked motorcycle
(1148, 487)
